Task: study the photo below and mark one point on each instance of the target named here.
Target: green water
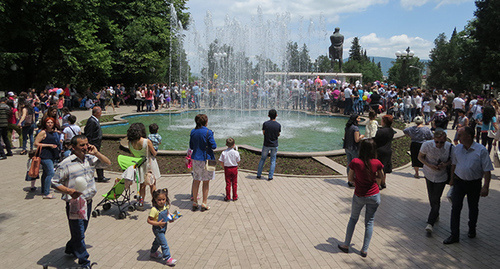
(299, 132)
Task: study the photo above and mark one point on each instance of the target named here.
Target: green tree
(292, 60)
(86, 42)
(359, 62)
(486, 32)
(305, 64)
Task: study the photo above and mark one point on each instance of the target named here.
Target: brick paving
(290, 222)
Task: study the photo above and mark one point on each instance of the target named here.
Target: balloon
(333, 81)
(368, 100)
(371, 93)
(216, 76)
(324, 82)
(365, 97)
(279, 83)
(59, 91)
(80, 184)
(252, 82)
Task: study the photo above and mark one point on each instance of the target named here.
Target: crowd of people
(45, 120)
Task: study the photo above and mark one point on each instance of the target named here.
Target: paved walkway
(290, 222)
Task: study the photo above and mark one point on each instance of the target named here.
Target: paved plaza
(290, 222)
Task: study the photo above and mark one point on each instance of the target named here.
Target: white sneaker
(428, 228)
(171, 262)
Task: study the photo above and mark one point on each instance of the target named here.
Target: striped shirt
(71, 168)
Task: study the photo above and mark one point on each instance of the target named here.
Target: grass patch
(249, 160)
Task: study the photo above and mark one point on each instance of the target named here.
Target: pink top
(364, 185)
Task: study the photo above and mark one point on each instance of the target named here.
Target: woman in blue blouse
(202, 143)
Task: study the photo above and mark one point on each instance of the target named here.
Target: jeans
(434, 191)
(196, 101)
(461, 188)
(160, 240)
(183, 102)
(48, 173)
(408, 116)
(350, 154)
(149, 105)
(348, 106)
(28, 133)
(486, 141)
(372, 203)
(265, 151)
(76, 244)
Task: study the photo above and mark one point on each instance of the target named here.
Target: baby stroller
(120, 194)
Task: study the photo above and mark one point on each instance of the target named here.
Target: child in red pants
(230, 159)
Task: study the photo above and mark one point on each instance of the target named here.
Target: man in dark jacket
(93, 133)
(4, 115)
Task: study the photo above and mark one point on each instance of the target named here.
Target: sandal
(344, 249)
(204, 207)
(195, 207)
(23, 152)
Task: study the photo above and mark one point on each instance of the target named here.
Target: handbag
(35, 164)
(491, 133)
(210, 164)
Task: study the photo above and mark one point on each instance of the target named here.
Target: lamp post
(219, 56)
(404, 57)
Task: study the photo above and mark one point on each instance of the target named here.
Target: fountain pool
(300, 132)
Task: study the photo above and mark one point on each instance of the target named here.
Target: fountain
(236, 94)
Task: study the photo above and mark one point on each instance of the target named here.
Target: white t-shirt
(426, 106)
(72, 130)
(230, 157)
(434, 155)
(458, 103)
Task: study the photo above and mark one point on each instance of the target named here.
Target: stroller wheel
(122, 215)
(131, 208)
(98, 212)
(94, 214)
(106, 206)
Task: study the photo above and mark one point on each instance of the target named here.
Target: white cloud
(386, 47)
(410, 4)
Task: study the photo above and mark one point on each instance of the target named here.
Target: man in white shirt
(458, 103)
(470, 163)
(348, 101)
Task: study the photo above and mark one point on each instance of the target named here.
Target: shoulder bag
(491, 133)
(35, 164)
(210, 164)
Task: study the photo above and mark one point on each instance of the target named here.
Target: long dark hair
(157, 193)
(367, 152)
(488, 114)
(353, 120)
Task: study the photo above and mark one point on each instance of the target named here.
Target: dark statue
(335, 50)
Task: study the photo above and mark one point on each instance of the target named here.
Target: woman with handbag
(48, 140)
(488, 127)
(140, 146)
(202, 143)
(27, 123)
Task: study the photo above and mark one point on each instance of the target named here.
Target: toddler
(158, 217)
(230, 159)
(372, 126)
(154, 136)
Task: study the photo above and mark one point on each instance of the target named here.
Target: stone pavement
(290, 222)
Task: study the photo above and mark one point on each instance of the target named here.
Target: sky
(383, 26)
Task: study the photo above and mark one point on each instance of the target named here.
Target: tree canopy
(89, 42)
